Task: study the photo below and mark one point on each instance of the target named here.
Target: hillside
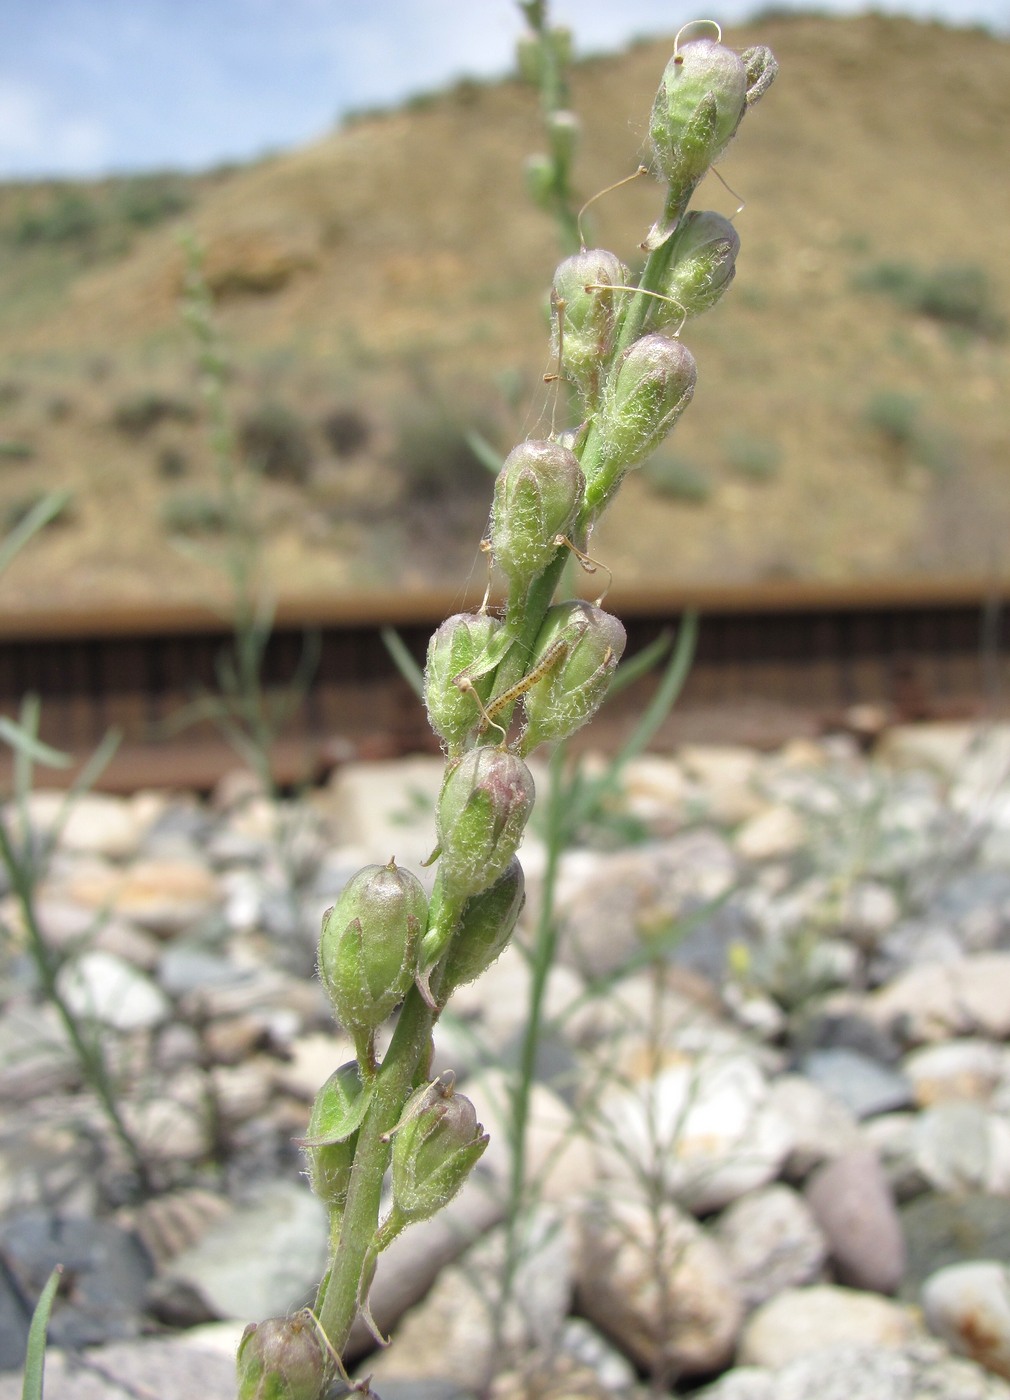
(381, 293)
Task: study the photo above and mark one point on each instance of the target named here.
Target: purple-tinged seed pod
(571, 692)
(282, 1359)
(482, 811)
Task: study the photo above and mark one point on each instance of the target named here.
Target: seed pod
(586, 322)
(647, 391)
(281, 1359)
(537, 496)
(367, 952)
(337, 1114)
(454, 647)
(435, 1147)
(702, 265)
(698, 107)
(483, 807)
(762, 69)
(484, 930)
(570, 693)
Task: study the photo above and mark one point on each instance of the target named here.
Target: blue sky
(89, 87)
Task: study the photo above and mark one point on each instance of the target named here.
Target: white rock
(702, 1125)
(937, 1001)
(726, 776)
(95, 823)
(800, 1320)
(104, 988)
(968, 1305)
(776, 832)
(654, 790)
(682, 1312)
(954, 1069)
(957, 1146)
(771, 1241)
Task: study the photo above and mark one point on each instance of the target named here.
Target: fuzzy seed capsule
(698, 107)
(537, 495)
(281, 1359)
(570, 693)
(337, 1113)
(702, 265)
(483, 808)
(587, 314)
(484, 930)
(647, 391)
(454, 647)
(435, 1147)
(368, 948)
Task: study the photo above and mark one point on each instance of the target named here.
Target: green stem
(88, 1051)
(337, 1303)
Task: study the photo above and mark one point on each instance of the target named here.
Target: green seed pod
(484, 805)
(537, 496)
(484, 930)
(435, 1147)
(698, 107)
(456, 645)
(368, 947)
(586, 322)
(762, 69)
(337, 1114)
(540, 176)
(646, 393)
(281, 1359)
(569, 693)
(702, 265)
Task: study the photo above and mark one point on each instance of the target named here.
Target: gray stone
(968, 1306)
(801, 1320)
(101, 988)
(853, 1205)
(262, 1260)
(171, 1368)
(942, 1230)
(687, 1321)
(821, 1126)
(771, 1241)
(958, 1146)
(864, 1086)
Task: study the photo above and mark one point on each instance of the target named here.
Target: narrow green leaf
(35, 1360)
(23, 741)
(35, 520)
(402, 659)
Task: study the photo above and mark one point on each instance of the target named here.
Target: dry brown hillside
(382, 291)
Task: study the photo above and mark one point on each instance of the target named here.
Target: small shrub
(757, 459)
(141, 412)
(437, 458)
(193, 513)
(68, 217)
(172, 463)
(14, 451)
(346, 430)
(894, 415)
(146, 200)
(678, 479)
(956, 294)
(275, 442)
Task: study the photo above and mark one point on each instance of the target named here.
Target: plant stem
(337, 1304)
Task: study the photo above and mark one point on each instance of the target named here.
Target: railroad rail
(772, 661)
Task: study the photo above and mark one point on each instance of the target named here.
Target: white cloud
(36, 137)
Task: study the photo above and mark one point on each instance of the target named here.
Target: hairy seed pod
(435, 1147)
(454, 647)
(337, 1114)
(571, 692)
(483, 808)
(484, 930)
(537, 495)
(648, 389)
(586, 316)
(281, 1359)
(368, 947)
(698, 107)
(702, 265)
